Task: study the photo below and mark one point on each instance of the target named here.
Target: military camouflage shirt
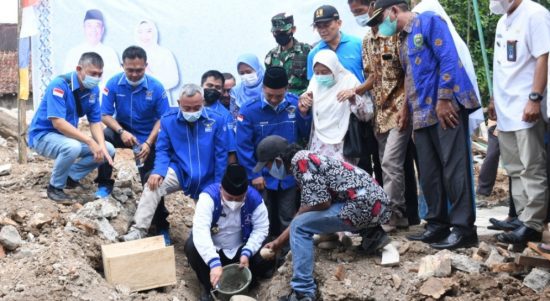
(381, 58)
(294, 60)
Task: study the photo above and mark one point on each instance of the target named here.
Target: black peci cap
(235, 180)
(275, 78)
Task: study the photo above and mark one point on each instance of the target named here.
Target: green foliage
(463, 17)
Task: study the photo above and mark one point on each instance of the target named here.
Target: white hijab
(330, 117)
(463, 53)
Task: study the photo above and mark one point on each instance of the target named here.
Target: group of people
(268, 160)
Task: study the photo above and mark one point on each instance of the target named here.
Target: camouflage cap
(282, 22)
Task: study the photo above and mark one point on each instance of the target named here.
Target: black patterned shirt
(323, 179)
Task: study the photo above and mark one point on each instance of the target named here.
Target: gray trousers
(150, 200)
(392, 149)
(445, 170)
(524, 158)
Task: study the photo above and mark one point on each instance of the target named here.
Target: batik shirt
(322, 179)
(433, 69)
(381, 58)
(294, 60)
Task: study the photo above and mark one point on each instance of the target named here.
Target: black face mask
(283, 38)
(211, 96)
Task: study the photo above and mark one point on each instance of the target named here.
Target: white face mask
(192, 116)
(233, 206)
(500, 7)
(250, 79)
(362, 19)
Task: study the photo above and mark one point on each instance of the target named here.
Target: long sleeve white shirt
(229, 237)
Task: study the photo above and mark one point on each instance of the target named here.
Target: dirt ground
(60, 257)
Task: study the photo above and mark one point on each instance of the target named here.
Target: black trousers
(488, 170)
(282, 205)
(411, 191)
(258, 266)
(445, 174)
(105, 171)
(370, 162)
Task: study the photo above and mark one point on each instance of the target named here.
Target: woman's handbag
(354, 145)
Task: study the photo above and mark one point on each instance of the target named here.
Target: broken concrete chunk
(7, 221)
(5, 169)
(390, 256)
(109, 209)
(436, 287)
(465, 263)
(434, 265)
(10, 238)
(396, 281)
(494, 258)
(39, 219)
(537, 280)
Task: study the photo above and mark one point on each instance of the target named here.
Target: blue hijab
(244, 94)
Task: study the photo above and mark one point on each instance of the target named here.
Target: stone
(5, 169)
(494, 258)
(125, 175)
(7, 221)
(537, 280)
(509, 267)
(10, 238)
(403, 248)
(267, 254)
(105, 228)
(434, 266)
(109, 209)
(396, 281)
(340, 273)
(390, 256)
(122, 289)
(463, 263)
(38, 220)
(20, 215)
(436, 287)
(2, 252)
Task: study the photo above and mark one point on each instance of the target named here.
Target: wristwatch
(536, 97)
(120, 131)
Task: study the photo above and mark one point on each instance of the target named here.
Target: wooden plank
(529, 261)
(133, 247)
(534, 247)
(141, 264)
(390, 256)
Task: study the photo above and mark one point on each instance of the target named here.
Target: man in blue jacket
(54, 129)
(440, 97)
(276, 113)
(191, 153)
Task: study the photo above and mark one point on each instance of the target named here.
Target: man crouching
(229, 226)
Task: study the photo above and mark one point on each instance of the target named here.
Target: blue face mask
(278, 172)
(90, 82)
(388, 28)
(136, 83)
(325, 80)
(192, 116)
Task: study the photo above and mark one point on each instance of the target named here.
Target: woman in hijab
(251, 72)
(331, 99)
(161, 63)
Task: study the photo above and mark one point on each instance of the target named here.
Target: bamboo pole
(21, 104)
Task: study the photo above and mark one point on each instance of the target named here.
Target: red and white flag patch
(105, 91)
(58, 92)
(240, 118)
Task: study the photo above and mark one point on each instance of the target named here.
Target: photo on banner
(183, 38)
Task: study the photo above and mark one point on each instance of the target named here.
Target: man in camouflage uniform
(289, 54)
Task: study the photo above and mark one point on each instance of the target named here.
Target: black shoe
(430, 235)
(459, 238)
(59, 196)
(374, 239)
(295, 296)
(205, 295)
(510, 225)
(72, 184)
(520, 236)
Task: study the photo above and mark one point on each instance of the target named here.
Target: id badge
(511, 50)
